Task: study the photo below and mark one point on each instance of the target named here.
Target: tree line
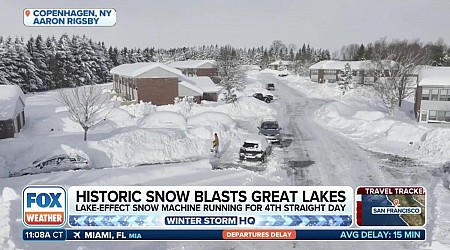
(40, 64)
(438, 53)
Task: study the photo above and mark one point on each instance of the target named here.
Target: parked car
(271, 130)
(255, 147)
(54, 163)
(270, 86)
(283, 73)
(265, 98)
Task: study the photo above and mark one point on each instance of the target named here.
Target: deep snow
(330, 139)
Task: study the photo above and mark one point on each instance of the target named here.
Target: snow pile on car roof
(256, 139)
(164, 119)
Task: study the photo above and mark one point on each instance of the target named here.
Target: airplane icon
(76, 235)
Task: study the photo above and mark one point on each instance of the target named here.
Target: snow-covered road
(317, 155)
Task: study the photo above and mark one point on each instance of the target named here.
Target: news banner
(163, 213)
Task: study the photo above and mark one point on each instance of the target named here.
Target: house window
(441, 116)
(432, 116)
(447, 116)
(434, 94)
(423, 116)
(314, 72)
(329, 72)
(443, 95)
(425, 94)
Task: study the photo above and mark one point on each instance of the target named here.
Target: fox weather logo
(44, 206)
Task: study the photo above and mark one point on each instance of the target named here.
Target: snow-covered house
(329, 70)
(280, 65)
(363, 72)
(432, 99)
(196, 67)
(12, 114)
(159, 84)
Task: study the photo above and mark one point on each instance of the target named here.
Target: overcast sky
(245, 23)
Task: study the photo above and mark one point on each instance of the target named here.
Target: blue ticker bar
(61, 234)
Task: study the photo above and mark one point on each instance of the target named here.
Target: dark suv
(270, 86)
(271, 130)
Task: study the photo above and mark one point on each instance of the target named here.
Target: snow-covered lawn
(139, 144)
(130, 135)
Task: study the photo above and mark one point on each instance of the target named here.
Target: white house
(280, 65)
(432, 99)
(363, 71)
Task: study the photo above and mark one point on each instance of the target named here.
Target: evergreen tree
(360, 53)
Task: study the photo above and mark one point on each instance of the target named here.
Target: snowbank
(210, 118)
(149, 146)
(434, 147)
(163, 119)
(363, 122)
(8, 195)
(139, 109)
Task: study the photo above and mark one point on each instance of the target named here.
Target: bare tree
(230, 72)
(277, 47)
(396, 63)
(84, 104)
(348, 52)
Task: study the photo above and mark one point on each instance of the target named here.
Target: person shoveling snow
(215, 148)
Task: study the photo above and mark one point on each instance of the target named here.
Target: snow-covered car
(265, 98)
(255, 147)
(283, 73)
(270, 86)
(271, 130)
(61, 162)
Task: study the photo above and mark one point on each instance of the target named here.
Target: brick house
(153, 82)
(12, 110)
(432, 98)
(198, 68)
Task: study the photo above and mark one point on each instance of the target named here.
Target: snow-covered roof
(338, 65)
(204, 83)
(434, 76)
(137, 69)
(193, 64)
(11, 101)
(355, 65)
(186, 88)
(281, 62)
